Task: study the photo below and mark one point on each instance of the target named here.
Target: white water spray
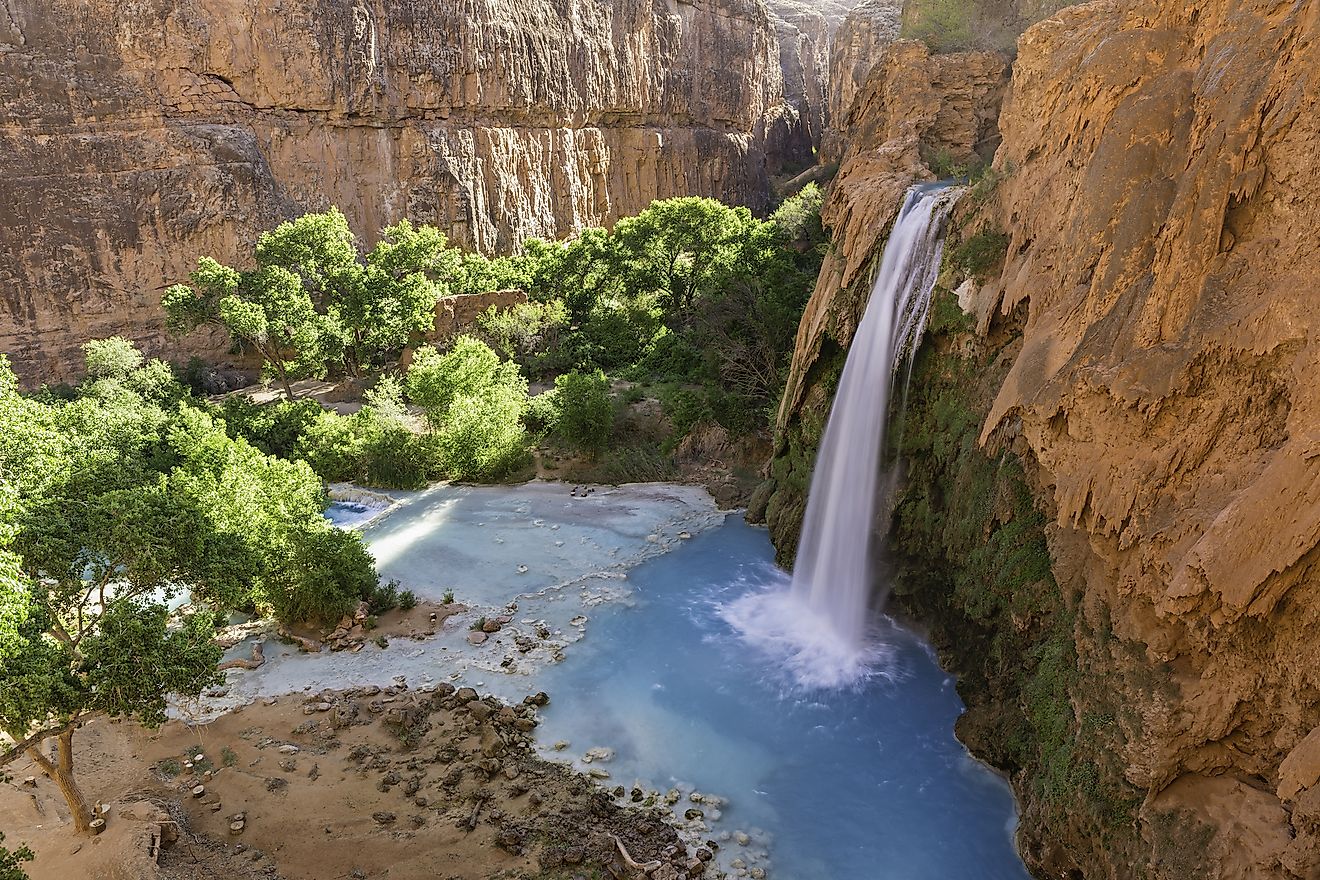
(824, 618)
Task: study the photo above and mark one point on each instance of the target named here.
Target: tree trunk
(61, 770)
(279, 370)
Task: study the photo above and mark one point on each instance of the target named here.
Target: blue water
(867, 784)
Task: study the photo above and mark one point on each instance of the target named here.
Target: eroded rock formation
(137, 137)
(1163, 236)
(1148, 349)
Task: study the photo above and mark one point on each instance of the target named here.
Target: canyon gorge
(1108, 520)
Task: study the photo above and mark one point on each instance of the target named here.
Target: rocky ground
(427, 783)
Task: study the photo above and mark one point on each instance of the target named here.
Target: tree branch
(33, 741)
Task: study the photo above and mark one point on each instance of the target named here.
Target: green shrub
(385, 597)
(274, 427)
(585, 411)
(470, 367)
(483, 436)
(368, 448)
(685, 408)
(981, 253)
(542, 413)
(528, 334)
(330, 571)
(447, 598)
(407, 600)
(113, 358)
(474, 404)
(11, 861)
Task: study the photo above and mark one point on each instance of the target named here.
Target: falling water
(823, 619)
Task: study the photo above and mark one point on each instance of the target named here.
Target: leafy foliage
(115, 500)
(979, 254)
(310, 302)
(474, 404)
(11, 861)
(113, 358)
(583, 410)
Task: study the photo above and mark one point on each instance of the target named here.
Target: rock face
(857, 47)
(1164, 243)
(139, 136)
(1145, 345)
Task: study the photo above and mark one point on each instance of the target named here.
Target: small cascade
(824, 618)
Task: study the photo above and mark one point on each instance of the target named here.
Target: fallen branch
(258, 658)
(633, 864)
(472, 819)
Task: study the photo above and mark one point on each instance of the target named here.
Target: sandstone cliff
(858, 45)
(1113, 516)
(139, 136)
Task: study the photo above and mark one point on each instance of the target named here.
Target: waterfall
(824, 617)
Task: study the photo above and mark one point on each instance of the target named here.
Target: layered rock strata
(137, 137)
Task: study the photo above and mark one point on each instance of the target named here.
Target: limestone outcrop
(139, 136)
(858, 45)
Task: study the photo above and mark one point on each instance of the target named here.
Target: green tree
(113, 358)
(112, 503)
(585, 411)
(474, 403)
(391, 302)
(11, 861)
(312, 301)
(267, 308)
(678, 249)
(435, 380)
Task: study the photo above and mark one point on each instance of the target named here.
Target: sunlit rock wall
(137, 136)
(1152, 321)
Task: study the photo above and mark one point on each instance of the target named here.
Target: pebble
(741, 838)
(289, 749)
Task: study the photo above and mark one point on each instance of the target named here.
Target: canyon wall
(138, 136)
(1112, 517)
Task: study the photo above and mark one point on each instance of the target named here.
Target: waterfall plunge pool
(865, 783)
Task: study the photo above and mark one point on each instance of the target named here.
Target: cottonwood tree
(267, 308)
(111, 504)
(312, 301)
(680, 249)
(89, 554)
